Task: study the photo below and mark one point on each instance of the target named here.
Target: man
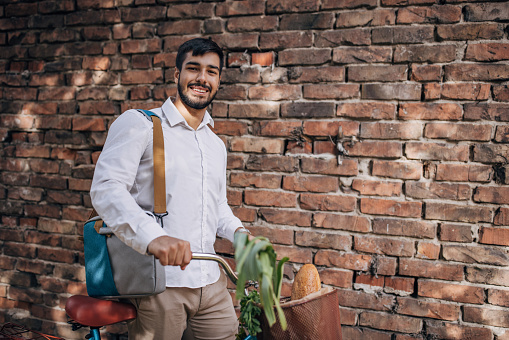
(195, 158)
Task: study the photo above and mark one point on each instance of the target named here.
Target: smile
(202, 89)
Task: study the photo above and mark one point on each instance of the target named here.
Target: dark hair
(199, 46)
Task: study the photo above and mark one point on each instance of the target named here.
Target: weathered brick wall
(409, 221)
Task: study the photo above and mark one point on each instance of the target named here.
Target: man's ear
(176, 75)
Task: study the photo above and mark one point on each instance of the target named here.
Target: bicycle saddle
(92, 312)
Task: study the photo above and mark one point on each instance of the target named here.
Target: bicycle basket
(314, 317)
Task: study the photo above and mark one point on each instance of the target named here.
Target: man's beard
(197, 105)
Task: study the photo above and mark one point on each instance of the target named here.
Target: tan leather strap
(159, 178)
(159, 169)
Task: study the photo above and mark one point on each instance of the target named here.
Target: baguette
(306, 281)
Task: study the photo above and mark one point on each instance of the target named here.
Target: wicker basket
(315, 317)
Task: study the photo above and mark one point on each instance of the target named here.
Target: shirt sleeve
(114, 177)
(228, 222)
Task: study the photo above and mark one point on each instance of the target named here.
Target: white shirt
(122, 188)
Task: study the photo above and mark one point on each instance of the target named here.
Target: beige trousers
(207, 313)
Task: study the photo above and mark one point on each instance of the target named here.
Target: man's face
(198, 81)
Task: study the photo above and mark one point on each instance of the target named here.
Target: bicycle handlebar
(213, 257)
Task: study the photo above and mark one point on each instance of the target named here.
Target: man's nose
(201, 76)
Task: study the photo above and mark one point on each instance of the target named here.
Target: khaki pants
(206, 312)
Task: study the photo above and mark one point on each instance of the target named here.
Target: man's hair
(199, 46)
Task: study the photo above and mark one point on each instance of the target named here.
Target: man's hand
(171, 251)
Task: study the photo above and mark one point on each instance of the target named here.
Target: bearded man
(196, 298)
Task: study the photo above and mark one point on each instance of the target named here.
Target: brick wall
(368, 137)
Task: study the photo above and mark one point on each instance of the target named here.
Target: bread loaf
(306, 281)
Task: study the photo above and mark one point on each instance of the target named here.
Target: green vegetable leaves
(256, 261)
(249, 313)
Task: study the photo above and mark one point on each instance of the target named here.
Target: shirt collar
(174, 117)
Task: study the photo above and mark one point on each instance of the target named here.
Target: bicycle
(86, 311)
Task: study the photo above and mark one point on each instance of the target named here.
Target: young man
(195, 158)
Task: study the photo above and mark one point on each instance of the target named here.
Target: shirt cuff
(146, 234)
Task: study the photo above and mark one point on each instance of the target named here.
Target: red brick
(373, 281)
(497, 236)
(460, 213)
(375, 149)
(437, 151)
(304, 56)
(366, 18)
(397, 91)
(430, 111)
(487, 12)
(298, 147)
(399, 285)
(451, 292)
(292, 39)
(257, 145)
(431, 269)
(497, 195)
(327, 202)
(454, 131)
(237, 40)
(377, 188)
(311, 184)
(298, 255)
(255, 180)
(323, 240)
(306, 21)
(501, 216)
(464, 172)
(475, 254)
(501, 93)
(455, 233)
(323, 92)
(498, 297)
(428, 250)
(332, 258)
(402, 35)
(270, 198)
(427, 190)
(394, 169)
(279, 6)
(491, 153)
(426, 72)
(426, 309)
(363, 73)
(266, 110)
(316, 74)
(356, 55)
(88, 124)
(389, 207)
(470, 31)
(445, 330)
(275, 235)
(277, 128)
(462, 91)
(134, 77)
(341, 222)
(341, 37)
(390, 322)
(272, 163)
(502, 134)
(26, 150)
(432, 91)
(286, 217)
(486, 316)
(383, 245)
(333, 4)
(404, 130)
(338, 278)
(418, 229)
(442, 14)
(476, 72)
(275, 92)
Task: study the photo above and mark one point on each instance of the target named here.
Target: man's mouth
(200, 89)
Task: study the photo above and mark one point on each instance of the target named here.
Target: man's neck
(193, 117)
